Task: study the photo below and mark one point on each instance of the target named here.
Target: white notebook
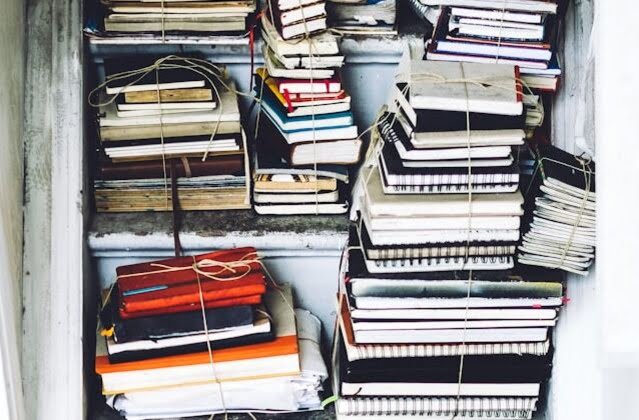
(439, 204)
(499, 94)
(414, 336)
(439, 389)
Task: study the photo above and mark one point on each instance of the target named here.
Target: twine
(588, 173)
(206, 69)
(311, 46)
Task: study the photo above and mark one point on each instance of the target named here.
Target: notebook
(502, 95)
(533, 6)
(289, 124)
(340, 151)
(275, 68)
(438, 205)
(514, 408)
(506, 375)
(259, 331)
(321, 44)
(276, 358)
(167, 78)
(357, 351)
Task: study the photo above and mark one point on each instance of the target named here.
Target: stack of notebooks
(177, 122)
(560, 213)
(436, 319)
(294, 19)
(176, 343)
(306, 135)
(522, 33)
(122, 19)
(366, 17)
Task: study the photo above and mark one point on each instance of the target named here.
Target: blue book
(288, 124)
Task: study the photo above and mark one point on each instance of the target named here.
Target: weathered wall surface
(11, 193)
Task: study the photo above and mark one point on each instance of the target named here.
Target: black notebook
(447, 250)
(439, 121)
(393, 132)
(397, 174)
(503, 375)
(171, 325)
(477, 369)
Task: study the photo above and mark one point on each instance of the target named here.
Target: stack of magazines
(306, 135)
(522, 33)
(176, 342)
(436, 320)
(171, 123)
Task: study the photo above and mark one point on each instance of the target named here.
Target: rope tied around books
(215, 75)
(311, 48)
(588, 173)
(244, 262)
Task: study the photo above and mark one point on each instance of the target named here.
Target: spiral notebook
(396, 173)
(374, 252)
(520, 408)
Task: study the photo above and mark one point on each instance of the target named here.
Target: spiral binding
(439, 252)
(447, 406)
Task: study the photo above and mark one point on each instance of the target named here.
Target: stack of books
(122, 19)
(176, 124)
(560, 212)
(306, 135)
(178, 343)
(366, 17)
(522, 33)
(436, 319)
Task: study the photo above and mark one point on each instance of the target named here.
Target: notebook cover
(164, 75)
(175, 324)
(429, 120)
(284, 344)
(501, 92)
(219, 165)
(284, 83)
(271, 90)
(137, 355)
(477, 369)
(144, 289)
(442, 32)
(159, 307)
(394, 165)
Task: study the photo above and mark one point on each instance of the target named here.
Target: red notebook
(171, 285)
(292, 86)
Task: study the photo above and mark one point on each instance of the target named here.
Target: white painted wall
(11, 196)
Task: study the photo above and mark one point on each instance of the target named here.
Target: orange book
(226, 278)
